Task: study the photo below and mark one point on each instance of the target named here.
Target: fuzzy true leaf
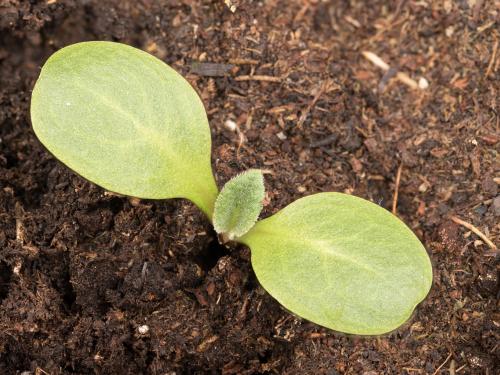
(126, 121)
(341, 262)
(239, 204)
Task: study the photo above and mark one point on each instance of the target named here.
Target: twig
(485, 27)
(40, 370)
(493, 57)
(298, 17)
(325, 141)
(475, 230)
(396, 189)
(442, 364)
(19, 231)
(377, 61)
(19, 223)
(241, 141)
(353, 21)
(258, 78)
(320, 92)
(244, 61)
(405, 78)
(234, 127)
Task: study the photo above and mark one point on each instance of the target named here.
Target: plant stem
(205, 198)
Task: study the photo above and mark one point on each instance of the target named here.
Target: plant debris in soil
(321, 95)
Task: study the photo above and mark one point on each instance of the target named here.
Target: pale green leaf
(126, 121)
(239, 204)
(341, 262)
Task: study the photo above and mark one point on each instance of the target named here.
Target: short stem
(223, 238)
(205, 200)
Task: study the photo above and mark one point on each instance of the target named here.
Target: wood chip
(206, 343)
(210, 69)
(232, 7)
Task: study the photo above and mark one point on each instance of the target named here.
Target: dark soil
(94, 283)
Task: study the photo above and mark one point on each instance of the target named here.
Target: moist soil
(96, 283)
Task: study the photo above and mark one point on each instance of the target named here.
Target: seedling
(128, 122)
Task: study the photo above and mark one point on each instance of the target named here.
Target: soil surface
(94, 283)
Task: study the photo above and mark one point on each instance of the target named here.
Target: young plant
(128, 122)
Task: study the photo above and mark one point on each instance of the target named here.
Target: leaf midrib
(326, 249)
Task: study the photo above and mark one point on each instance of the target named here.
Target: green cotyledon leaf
(239, 204)
(341, 262)
(126, 121)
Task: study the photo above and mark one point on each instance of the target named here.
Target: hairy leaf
(341, 262)
(239, 204)
(126, 121)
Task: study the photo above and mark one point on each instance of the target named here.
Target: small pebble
(281, 136)
(481, 209)
(143, 329)
(231, 125)
(423, 83)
